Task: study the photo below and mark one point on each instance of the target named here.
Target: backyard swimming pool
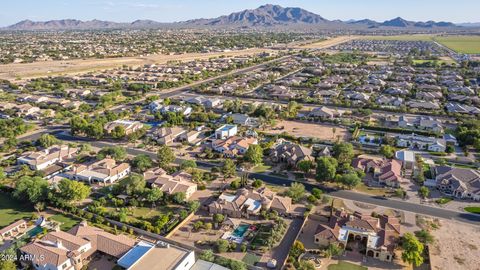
(240, 230)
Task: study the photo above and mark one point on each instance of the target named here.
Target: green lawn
(146, 213)
(66, 222)
(461, 44)
(346, 266)
(473, 209)
(261, 168)
(12, 210)
(443, 200)
(251, 259)
(372, 190)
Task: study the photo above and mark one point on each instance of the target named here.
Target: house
(233, 146)
(170, 184)
(453, 107)
(205, 102)
(157, 106)
(325, 113)
(407, 158)
(13, 229)
(290, 153)
(379, 235)
(40, 160)
(386, 172)
(26, 110)
(157, 256)
(389, 101)
(421, 122)
(129, 126)
(244, 120)
(421, 142)
(166, 135)
(105, 171)
(458, 182)
(226, 131)
(72, 250)
(248, 202)
(421, 104)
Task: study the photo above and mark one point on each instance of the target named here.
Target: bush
(222, 245)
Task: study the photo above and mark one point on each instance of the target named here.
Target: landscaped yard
(12, 210)
(372, 190)
(144, 213)
(346, 266)
(66, 222)
(251, 259)
(261, 168)
(443, 200)
(473, 209)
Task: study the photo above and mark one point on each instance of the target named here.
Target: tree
(179, 197)
(118, 132)
(235, 184)
(350, 180)
(73, 190)
(47, 140)
(317, 193)
(254, 154)
(218, 218)
(165, 156)
(207, 255)
(387, 151)
(305, 166)
(6, 264)
(257, 183)
(193, 206)
(39, 206)
(228, 168)
(306, 265)
(118, 153)
(133, 184)
(333, 250)
(222, 245)
(296, 191)
(237, 265)
(2, 174)
(425, 236)
(153, 195)
(343, 152)
(142, 162)
(424, 192)
(412, 249)
(33, 189)
(450, 149)
(326, 168)
(187, 164)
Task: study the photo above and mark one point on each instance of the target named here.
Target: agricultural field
(402, 37)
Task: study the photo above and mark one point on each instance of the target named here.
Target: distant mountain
(469, 24)
(264, 16)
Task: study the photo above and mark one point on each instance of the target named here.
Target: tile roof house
(379, 235)
(290, 153)
(13, 229)
(421, 142)
(248, 202)
(40, 160)
(387, 172)
(130, 126)
(171, 184)
(459, 182)
(69, 251)
(233, 146)
(420, 122)
(105, 171)
(324, 112)
(166, 135)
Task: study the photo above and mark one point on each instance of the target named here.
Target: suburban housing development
(268, 138)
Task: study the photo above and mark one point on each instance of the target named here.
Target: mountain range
(264, 16)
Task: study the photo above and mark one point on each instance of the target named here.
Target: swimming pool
(240, 230)
(33, 232)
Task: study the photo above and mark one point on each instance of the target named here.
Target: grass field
(12, 210)
(402, 37)
(346, 266)
(66, 223)
(473, 209)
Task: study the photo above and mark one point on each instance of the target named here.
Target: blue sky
(177, 10)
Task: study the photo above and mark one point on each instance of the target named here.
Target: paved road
(342, 194)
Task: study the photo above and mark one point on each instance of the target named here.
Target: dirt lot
(457, 246)
(329, 42)
(49, 68)
(313, 130)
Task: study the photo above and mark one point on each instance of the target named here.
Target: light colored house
(130, 126)
(73, 250)
(42, 159)
(13, 229)
(379, 235)
(290, 153)
(226, 131)
(421, 142)
(386, 172)
(458, 182)
(233, 146)
(105, 171)
(166, 135)
(171, 184)
(244, 120)
(420, 122)
(247, 202)
(324, 112)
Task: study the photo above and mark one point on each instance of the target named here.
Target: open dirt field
(49, 68)
(456, 246)
(313, 130)
(328, 43)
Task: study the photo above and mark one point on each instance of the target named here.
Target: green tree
(142, 162)
(424, 192)
(228, 168)
(193, 206)
(254, 154)
(153, 195)
(208, 255)
(425, 236)
(412, 250)
(387, 151)
(33, 189)
(305, 166)
(118, 153)
(343, 152)
(47, 140)
(326, 168)
(187, 164)
(350, 180)
(118, 132)
(237, 265)
(296, 191)
(165, 156)
(218, 218)
(134, 184)
(2, 174)
(179, 197)
(317, 193)
(73, 190)
(333, 250)
(257, 183)
(221, 245)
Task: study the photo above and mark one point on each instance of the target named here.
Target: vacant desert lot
(457, 246)
(51, 68)
(320, 131)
